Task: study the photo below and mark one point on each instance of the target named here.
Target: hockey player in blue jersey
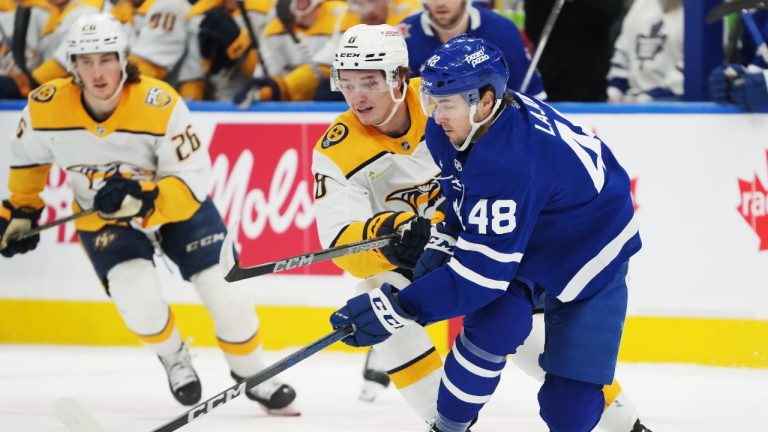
(539, 209)
(442, 20)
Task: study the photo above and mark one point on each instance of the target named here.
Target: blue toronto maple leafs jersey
(537, 198)
(483, 23)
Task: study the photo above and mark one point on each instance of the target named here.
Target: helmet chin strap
(476, 126)
(119, 89)
(394, 108)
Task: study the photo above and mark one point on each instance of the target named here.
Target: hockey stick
(57, 222)
(724, 9)
(548, 26)
(754, 31)
(230, 266)
(254, 380)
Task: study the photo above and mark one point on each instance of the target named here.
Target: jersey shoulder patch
(334, 135)
(44, 93)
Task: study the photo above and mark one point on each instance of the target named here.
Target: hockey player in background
(537, 207)
(647, 63)
(374, 176)
(442, 20)
(745, 85)
(131, 153)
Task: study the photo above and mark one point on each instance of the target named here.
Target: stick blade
(75, 417)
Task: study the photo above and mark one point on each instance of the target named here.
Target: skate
(374, 379)
(433, 428)
(182, 378)
(274, 397)
(639, 427)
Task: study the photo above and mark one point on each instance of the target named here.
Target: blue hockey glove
(17, 220)
(750, 92)
(414, 235)
(437, 252)
(260, 89)
(721, 79)
(123, 199)
(376, 316)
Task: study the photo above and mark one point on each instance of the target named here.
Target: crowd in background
(619, 51)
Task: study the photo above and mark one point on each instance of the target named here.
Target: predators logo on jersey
(335, 135)
(44, 93)
(103, 240)
(157, 97)
(420, 197)
(96, 174)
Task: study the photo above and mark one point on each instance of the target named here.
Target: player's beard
(453, 21)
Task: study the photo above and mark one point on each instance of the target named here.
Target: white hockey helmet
(97, 33)
(371, 47)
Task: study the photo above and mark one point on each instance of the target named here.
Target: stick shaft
(57, 222)
(239, 273)
(548, 26)
(254, 380)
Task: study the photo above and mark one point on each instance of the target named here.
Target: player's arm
(485, 259)
(344, 216)
(30, 164)
(181, 185)
(159, 44)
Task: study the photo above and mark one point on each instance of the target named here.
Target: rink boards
(699, 287)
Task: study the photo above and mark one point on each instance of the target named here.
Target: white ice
(125, 390)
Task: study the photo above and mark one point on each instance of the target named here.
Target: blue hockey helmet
(462, 64)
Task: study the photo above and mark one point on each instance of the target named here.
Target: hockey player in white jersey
(619, 417)
(374, 176)
(131, 153)
(647, 63)
(157, 33)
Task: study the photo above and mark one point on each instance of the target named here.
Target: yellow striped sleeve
(175, 202)
(147, 68)
(302, 82)
(192, 90)
(26, 184)
(49, 70)
(363, 264)
(368, 263)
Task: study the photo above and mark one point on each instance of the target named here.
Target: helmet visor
(359, 81)
(452, 106)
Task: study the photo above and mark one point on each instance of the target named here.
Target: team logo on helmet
(334, 135)
(477, 57)
(419, 198)
(44, 93)
(352, 39)
(157, 98)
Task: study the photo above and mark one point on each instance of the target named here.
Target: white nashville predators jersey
(149, 137)
(360, 172)
(157, 29)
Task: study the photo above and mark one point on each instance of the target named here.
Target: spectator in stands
(220, 56)
(375, 12)
(575, 61)
(647, 60)
(297, 51)
(745, 84)
(442, 20)
(15, 79)
(158, 33)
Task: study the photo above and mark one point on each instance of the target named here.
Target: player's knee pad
(393, 278)
(232, 310)
(527, 356)
(568, 405)
(135, 290)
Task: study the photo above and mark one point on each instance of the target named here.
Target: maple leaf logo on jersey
(420, 197)
(752, 207)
